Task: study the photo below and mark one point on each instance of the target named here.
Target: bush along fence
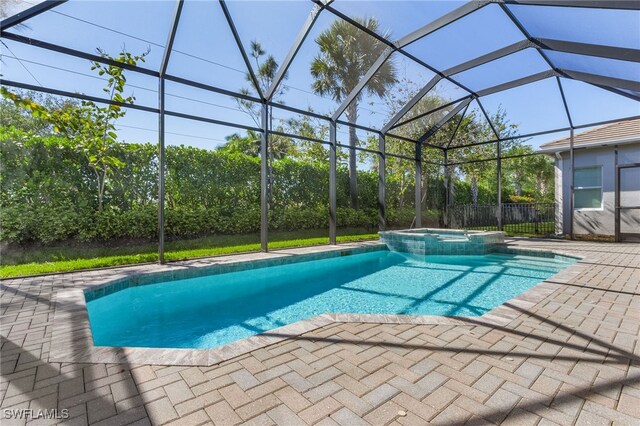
(517, 218)
(48, 194)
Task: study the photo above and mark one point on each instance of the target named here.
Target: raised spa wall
(426, 241)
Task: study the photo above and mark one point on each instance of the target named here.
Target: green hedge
(47, 193)
(140, 223)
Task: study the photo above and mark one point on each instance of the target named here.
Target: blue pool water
(212, 310)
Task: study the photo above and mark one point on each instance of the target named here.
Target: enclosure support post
(418, 185)
(332, 182)
(161, 130)
(499, 184)
(264, 179)
(616, 186)
(382, 183)
(571, 127)
(161, 166)
(446, 188)
(571, 189)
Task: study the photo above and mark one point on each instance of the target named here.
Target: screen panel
(626, 70)
(39, 67)
(71, 197)
(298, 193)
(212, 186)
(509, 68)
(334, 57)
(205, 51)
(483, 31)
(111, 28)
(390, 88)
(400, 192)
(399, 17)
(590, 104)
(607, 27)
(527, 109)
(268, 30)
(357, 194)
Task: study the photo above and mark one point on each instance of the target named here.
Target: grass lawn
(70, 257)
(66, 258)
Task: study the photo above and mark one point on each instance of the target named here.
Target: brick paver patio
(572, 358)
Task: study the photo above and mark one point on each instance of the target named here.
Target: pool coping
(71, 332)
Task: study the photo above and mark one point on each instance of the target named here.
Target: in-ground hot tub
(442, 241)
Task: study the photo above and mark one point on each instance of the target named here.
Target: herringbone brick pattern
(573, 358)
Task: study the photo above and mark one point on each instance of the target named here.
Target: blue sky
(205, 51)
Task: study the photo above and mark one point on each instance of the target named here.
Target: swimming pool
(212, 310)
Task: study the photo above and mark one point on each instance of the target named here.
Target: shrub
(400, 217)
(48, 194)
(520, 199)
(299, 218)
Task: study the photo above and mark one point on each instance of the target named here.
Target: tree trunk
(541, 184)
(452, 188)
(424, 190)
(100, 184)
(474, 190)
(352, 116)
(403, 190)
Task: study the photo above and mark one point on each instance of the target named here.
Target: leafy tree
(544, 175)
(529, 176)
(266, 68)
(309, 127)
(12, 115)
(89, 125)
(8, 7)
(476, 180)
(400, 171)
(248, 144)
(478, 173)
(420, 120)
(346, 54)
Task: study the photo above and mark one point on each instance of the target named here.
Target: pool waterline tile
(111, 287)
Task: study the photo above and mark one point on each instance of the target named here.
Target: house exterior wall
(593, 221)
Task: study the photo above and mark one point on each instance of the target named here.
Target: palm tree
(346, 54)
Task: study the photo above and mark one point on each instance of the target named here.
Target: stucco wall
(598, 222)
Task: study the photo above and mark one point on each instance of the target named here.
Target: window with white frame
(588, 188)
